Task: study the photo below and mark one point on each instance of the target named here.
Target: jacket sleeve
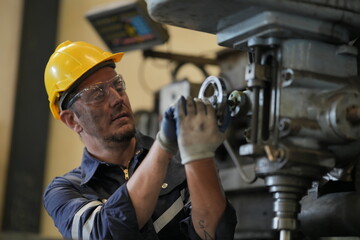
(79, 217)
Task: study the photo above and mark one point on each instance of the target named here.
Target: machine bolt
(247, 134)
(353, 114)
(284, 124)
(287, 76)
(274, 154)
(236, 101)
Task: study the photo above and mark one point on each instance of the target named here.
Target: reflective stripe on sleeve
(77, 218)
(169, 214)
(89, 224)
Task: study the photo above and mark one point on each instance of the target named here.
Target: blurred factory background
(287, 70)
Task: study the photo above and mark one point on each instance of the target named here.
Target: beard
(122, 137)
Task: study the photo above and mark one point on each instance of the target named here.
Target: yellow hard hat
(69, 62)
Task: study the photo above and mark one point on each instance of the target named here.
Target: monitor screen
(126, 26)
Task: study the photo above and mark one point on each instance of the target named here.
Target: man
(129, 186)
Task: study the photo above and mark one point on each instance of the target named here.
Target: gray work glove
(198, 134)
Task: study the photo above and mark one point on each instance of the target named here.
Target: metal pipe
(285, 235)
(255, 115)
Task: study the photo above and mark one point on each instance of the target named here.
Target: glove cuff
(165, 144)
(189, 154)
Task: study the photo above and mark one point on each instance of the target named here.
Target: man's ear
(71, 120)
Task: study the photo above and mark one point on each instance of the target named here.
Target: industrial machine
(297, 104)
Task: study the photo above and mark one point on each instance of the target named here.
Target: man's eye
(119, 87)
(96, 94)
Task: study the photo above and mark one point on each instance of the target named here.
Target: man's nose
(114, 96)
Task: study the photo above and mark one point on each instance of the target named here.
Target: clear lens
(98, 93)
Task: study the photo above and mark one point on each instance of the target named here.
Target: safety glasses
(98, 93)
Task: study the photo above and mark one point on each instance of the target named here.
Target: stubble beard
(122, 137)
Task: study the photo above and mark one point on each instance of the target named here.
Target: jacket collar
(90, 164)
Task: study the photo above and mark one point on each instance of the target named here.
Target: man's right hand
(197, 129)
(167, 134)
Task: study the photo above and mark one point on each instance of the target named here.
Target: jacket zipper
(126, 169)
(126, 173)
